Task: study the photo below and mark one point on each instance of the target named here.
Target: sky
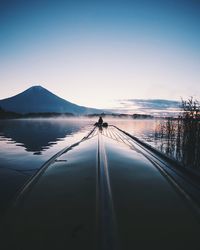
(102, 54)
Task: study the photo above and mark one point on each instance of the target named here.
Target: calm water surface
(26, 144)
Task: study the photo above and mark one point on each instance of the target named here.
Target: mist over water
(26, 144)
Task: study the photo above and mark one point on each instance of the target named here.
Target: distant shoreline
(12, 115)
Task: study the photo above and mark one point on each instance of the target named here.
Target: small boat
(107, 191)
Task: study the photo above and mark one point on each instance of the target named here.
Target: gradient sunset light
(96, 53)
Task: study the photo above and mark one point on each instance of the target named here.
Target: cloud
(159, 104)
(148, 106)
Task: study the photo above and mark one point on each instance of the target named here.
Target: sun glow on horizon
(95, 54)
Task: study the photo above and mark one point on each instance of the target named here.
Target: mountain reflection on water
(25, 145)
(37, 135)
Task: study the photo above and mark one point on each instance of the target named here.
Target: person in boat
(100, 121)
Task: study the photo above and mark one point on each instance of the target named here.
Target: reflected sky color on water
(41, 135)
(38, 136)
(25, 145)
(106, 191)
(143, 129)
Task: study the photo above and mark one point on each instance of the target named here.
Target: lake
(26, 144)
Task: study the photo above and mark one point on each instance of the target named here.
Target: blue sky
(96, 53)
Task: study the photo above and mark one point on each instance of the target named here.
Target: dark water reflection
(26, 144)
(38, 135)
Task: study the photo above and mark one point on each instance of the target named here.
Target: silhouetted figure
(100, 121)
(101, 124)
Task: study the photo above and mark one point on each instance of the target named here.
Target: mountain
(39, 100)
